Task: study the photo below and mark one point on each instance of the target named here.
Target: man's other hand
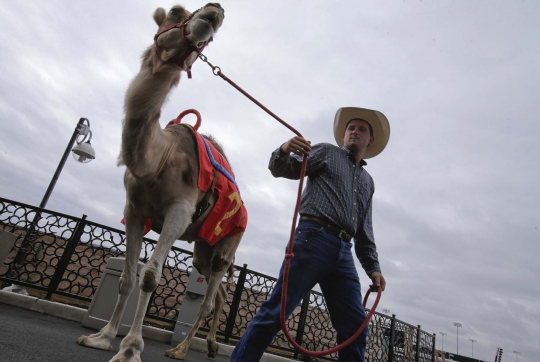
(378, 280)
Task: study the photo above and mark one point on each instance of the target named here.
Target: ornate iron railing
(62, 257)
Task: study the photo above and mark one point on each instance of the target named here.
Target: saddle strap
(203, 205)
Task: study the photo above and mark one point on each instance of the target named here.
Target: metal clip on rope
(215, 69)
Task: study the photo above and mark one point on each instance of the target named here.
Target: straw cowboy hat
(377, 120)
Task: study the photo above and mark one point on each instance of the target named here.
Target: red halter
(188, 43)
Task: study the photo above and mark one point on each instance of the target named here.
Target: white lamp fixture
(84, 152)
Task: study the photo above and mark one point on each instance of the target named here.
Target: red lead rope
(290, 254)
(288, 258)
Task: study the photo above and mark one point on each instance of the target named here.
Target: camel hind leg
(134, 237)
(212, 345)
(213, 263)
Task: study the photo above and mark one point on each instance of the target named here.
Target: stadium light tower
(517, 354)
(472, 343)
(458, 326)
(443, 334)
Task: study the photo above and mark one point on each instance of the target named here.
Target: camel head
(179, 30)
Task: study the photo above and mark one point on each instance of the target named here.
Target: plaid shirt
(336, 191)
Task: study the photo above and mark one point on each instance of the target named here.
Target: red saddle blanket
(229, 215)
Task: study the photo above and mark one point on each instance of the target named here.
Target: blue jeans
(319, 257)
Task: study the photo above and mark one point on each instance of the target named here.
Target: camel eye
(175, 11)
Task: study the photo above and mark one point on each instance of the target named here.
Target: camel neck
(142, 136)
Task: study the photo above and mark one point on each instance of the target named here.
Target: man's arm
(366, 250)
(283, 164)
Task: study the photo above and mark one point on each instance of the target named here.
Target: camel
(161, 184)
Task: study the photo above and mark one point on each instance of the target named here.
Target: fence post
(301, 323)
(66, 257)
(235, 303)
(392, 338)
(29, 238)
(433, 347)
(417, 358)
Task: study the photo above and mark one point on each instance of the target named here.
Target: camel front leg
(176, 221)
(134, 237)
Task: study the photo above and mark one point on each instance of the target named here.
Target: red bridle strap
(180, 62)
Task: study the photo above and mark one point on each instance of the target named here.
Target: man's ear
(371, 140)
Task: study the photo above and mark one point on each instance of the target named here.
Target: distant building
(441, 356)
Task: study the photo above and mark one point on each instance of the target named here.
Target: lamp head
(83, 152)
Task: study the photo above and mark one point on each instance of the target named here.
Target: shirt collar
(350, 154)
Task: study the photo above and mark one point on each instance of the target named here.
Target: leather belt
(342, 234)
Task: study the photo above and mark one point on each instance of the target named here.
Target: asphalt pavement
(30, 336)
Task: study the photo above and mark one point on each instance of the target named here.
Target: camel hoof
(213, 348)
(176, 353)
(126, 355)
(82, 339)
(88, 341)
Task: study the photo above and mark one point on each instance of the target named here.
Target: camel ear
(159, 16)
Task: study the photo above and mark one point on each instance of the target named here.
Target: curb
(68, 312)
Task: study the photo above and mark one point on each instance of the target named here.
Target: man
(335, 208)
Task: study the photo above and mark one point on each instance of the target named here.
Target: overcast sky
(457, 201)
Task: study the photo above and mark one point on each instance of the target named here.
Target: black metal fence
(61, 257)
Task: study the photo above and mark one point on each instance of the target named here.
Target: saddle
(229, 215)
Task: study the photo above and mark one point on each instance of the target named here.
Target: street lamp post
(387, 311)
(472, 343)
(517, 353)
(443, 334)
(83, 153)
(457, 325)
